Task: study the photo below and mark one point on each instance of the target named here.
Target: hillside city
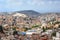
(19, 26)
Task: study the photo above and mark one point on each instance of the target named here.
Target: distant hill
(29, 13)
(44, 14)
(4, 13)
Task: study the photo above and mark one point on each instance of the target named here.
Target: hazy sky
(37, 5)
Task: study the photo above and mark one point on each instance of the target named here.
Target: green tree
(54, 34)
(14, 28)
(25, 29)
(34, 26)
(1, 29)
(44, 29)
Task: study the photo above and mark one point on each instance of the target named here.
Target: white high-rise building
(58, 34)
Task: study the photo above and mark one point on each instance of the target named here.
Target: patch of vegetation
(25, 29)
(54, 34)
(14, 28)
(44, 29)
(34, 26)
